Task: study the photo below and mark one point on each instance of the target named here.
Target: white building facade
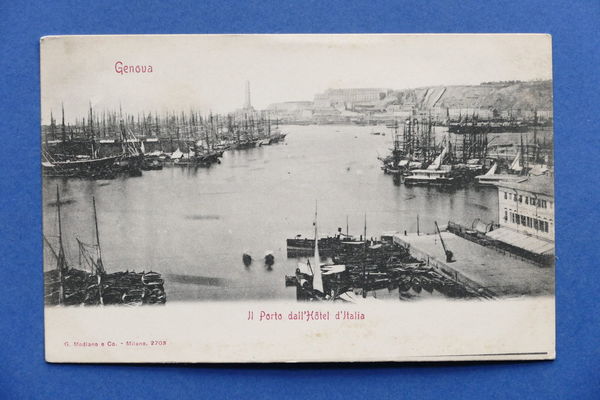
(528, 207)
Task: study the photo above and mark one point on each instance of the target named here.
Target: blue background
(575, 373)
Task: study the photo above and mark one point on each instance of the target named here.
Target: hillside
(500, 96)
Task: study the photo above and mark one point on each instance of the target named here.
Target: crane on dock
(449, 254)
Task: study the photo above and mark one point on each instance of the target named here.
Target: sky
(209, 72)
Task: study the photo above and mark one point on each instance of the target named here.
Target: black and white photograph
(285, 196)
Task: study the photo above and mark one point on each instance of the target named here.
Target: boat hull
(416, 181)
(81, 168)
(495, 180)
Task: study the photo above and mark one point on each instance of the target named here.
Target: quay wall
(441, 266)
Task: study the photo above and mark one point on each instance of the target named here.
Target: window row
(524, 220)
(534, 201)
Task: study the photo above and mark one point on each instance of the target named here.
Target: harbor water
(194, 224)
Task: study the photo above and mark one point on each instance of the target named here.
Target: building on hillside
(327, 115)
(291, 111)
(348, 97)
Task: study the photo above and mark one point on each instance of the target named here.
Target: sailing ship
(91, 167)
(309, 278)
(412, 149)
(201, 153)
(328, 246)
(251, 132)
(364, 267)
(472, 124)
(436, 173)
(274, 133)
(66, 285)
(105, 144)
(91, 164)
(302, 246)
(131, 159)
(492, 178)
(527, 161)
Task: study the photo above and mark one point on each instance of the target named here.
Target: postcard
(297, 198)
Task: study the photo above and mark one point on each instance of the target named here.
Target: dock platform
(499, 274)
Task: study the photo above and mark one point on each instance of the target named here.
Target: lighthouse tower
(247, 102)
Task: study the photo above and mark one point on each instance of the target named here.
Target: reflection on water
(193, 225)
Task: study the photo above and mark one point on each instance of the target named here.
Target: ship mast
(522, 158)
(364, 261)
(60, 265)
(535, 141)
(317, 279)
(52, 129)
(207, 134)
(63, 132)
(92, 135)
(100, 267)
(365, 228)
(346, 226)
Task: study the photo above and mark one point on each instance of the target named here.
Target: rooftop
(540, 184)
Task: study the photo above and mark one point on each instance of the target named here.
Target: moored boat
(92, 167)
(435, 174)
(443, 176)
(70, 286)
